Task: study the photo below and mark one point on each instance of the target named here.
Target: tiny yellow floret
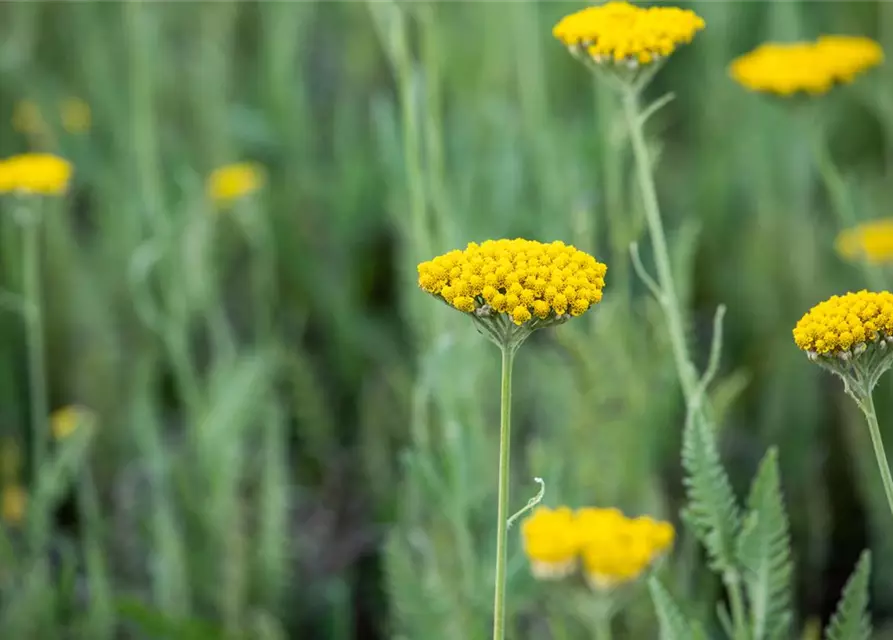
(509, 277)
(847, 323)
(811, 67)
(234, 181)
(623, 32)
(871, 241)
(35, 173)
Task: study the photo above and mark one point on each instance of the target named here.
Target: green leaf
(764, 552)
(712, 511)
(851, 620)
(673, 623)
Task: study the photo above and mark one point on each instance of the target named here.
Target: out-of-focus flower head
(611, 548)
(35, 173)
(233, 181)
(622, 34)
(871, 241)
(811, 68)
(65, 421)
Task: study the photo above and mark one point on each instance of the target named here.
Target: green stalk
(666, 292)
(32, 292)
(868, 409)
(668, 298)
(508, 356)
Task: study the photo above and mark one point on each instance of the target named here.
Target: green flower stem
(601, 628)
(33, 308)
(508, 357)
(669, 300)
(868, 409)
(668, 297)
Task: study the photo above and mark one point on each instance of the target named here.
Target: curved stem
(868, 409)
(33, 296)
(508, 356)
(668, 299)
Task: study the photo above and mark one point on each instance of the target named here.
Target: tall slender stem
(668, 299)
(868, 409)
(688, 376)
(33, 294)
(508, 356)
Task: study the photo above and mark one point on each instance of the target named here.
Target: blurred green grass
(292, 440)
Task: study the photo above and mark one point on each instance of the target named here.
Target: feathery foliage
(764, 552)
(712, 510)
(673, 624)
(851, 620)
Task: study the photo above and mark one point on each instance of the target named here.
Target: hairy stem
(508, 356)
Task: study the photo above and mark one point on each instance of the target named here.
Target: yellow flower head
(845, 325)
(616, 549)
(37, 173)
(233, 181)
(871, 241)
(809, 67)
(622, 32)
(531, 283)
(550, 542)
(13, 503)
(64, 421)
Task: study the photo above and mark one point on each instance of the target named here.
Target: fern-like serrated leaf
(764, 552)
(673, 624)
(851, 620)
(712, 511)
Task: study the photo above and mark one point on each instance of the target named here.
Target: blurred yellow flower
(27, 118)
(846, 325)
(524, 280)
(613, 549)
(74, 114)
(550, 542)
(810, 67)
(64, 421)
(13, 503)
(234, 181)
(37, 173)
(622, 32)
(616, 549)
(871, 241)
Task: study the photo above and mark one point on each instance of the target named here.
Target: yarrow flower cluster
(620, 32)
(871, 241)
(851, 336)
(611, 548)
(532, 283)
(809, 67)
(35, 173)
